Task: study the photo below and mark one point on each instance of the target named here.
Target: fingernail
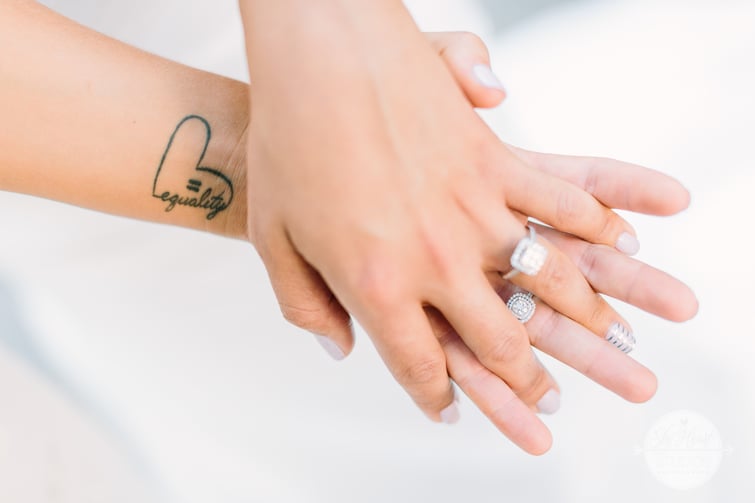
(627, 244)
(450, 414)
(621, 337)
(330, 347)
(550, 402)
(486, 77)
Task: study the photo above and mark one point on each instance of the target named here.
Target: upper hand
(400, 201)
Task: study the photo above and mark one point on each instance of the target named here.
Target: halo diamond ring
(522, 305)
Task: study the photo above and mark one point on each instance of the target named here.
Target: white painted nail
(550, 402)
(450, 414)
(330, 347)
(486, 77)
(621, 337)
(627, 244)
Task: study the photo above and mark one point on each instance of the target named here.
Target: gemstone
(529, 257)
(522, 306)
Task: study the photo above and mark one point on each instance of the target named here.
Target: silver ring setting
(522, 305)
(529, 256)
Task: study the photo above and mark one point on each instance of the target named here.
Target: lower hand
(308, 301)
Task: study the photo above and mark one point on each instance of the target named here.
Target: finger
(489, 392)
(614, 183)
(468, 60)
(568, 208)
(627, 279)
(562, 286)
(574, 345)
(304, 298)
(406, 344)
(496, 337)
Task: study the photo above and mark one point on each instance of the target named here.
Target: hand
(615, 184)
(399, 201)
(608, 271)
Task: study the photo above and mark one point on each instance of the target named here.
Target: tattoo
(218, 194)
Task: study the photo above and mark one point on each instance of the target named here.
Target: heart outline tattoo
(208, 200)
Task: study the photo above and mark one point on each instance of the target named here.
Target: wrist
(201, 181)
(103, 127)
(309, 31)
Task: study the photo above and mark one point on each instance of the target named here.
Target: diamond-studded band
(529, 256)
(522, 305)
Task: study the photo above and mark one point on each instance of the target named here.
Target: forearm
(89, 121)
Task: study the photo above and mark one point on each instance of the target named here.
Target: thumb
(468, 60)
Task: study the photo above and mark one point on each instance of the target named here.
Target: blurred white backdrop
(155, 388)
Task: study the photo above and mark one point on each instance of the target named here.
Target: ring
(528, 257)
(522, 305)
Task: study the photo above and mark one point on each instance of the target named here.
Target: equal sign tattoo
(194, 185)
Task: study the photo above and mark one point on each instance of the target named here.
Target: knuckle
(470, 39)
(568, 208)
(600, 314)
(376, 283)
(553, 279)
(438, 255)
(422, 372)
(311, 319)
(507, 347)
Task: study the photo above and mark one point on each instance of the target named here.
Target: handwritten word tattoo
(206, 189)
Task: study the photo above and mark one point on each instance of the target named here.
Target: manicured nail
(330, 347)
(621, 337)
(450, 414)
(627, 244)
(486, 77)
(550, 402)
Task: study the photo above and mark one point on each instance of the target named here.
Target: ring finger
(574, 345)
(556, 279)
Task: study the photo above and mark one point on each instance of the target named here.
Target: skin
(402, 200)
(88, 123)
(95, 134)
